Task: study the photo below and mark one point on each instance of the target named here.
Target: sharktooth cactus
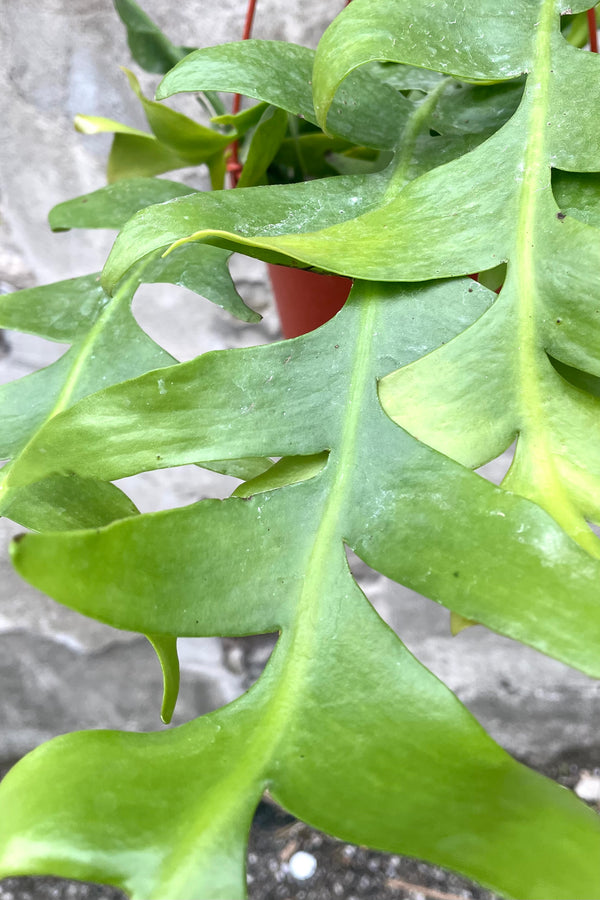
(490, 121)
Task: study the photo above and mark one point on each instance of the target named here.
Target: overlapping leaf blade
(100, 208)
(107, 346)
(80, 313)
(112, 206)
(491, 205)
(176, 142)
(485, 40)
(203, 270)
(303, 588)
(192, 141)
(263, 146)
(254, 68)
(425, 229)
(192, 790)
(248, 67)
(408, 511)
(259, 221)
(232, 403)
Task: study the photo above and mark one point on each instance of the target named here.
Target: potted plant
(378, 419)
(264, 144)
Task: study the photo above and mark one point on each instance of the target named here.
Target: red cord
(247, 32)
(234, 166)
(593, 29)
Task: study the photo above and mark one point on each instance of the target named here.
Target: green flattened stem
(407, 496)
(413, 773)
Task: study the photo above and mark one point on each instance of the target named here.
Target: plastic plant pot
(306, 299)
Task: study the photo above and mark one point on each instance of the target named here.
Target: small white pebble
(588, 788)
(302, 865)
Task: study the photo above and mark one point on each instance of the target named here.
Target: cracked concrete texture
(61, 58)
(58, 670)
(49, 688)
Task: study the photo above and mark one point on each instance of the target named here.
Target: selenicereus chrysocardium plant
(481, 137)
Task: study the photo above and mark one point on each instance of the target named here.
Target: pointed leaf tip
(165, 647)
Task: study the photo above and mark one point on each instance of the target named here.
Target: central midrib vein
(83, 354)
(293, 656)
(531, 357)
(536, 179)
(342, 459)
(328, 539)
(343, 455)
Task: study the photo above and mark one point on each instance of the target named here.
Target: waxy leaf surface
(412, 772)
(417, 516)
(202, 269)
(492, 205)
(77, 312)
(254, 68)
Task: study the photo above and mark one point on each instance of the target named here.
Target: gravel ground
(342, 870)
(282, 849)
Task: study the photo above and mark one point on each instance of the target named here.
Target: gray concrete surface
(59, 671)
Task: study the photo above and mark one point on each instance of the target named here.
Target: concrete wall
(59, 671)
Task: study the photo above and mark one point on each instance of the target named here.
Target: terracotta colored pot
(306, 300)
